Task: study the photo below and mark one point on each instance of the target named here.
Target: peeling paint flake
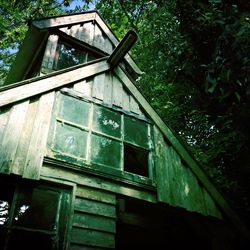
(186, 189)
(107, 122)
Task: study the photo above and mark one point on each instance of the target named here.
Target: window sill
(105, 172)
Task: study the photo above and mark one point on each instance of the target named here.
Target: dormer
(56, 43)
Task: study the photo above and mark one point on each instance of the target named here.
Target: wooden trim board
(51, 82)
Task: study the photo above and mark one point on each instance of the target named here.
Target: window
(33, 217)
(68, 55)
(87, 133)
(136, 160)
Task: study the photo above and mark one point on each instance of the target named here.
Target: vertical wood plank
(79, 33)
(47, 53)
(125, 101)
(98, 38)
(185, 196)
(87, 34)
(4, 115)
(134, 107)
(74, 30)
(54, 40)
(98, 86)
(117, 92)
(84, 87)
(11, 136)
(108, 47)
(108, 89)
(177, 191)
(37, 146)
(50, 50)
(195, 194)
(162, 174)
(23, 146)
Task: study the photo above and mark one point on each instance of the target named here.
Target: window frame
(73, 42)
(86, 163)
(62, 213)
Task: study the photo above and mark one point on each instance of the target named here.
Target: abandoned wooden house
(86, 163)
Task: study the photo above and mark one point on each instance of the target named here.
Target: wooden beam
(181, 150)
(122, 48)
(51, 82)
(32, 43)
(38, 141)
(65, 20)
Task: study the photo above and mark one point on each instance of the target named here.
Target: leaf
(214, 1)
(212, 83)
(237, 96)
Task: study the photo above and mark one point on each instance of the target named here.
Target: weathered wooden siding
(176, 184)
(90, 33)
(109, 90)
(94, 220)
(23, 130)
(52, 172)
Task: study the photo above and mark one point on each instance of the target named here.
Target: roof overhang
(38, 85)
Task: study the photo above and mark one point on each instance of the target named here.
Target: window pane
(136, 131)
(37, 209)
(107, 121)
(105, 151)
(68, 55)
(70, 140)
(74, 110)
(136, 160)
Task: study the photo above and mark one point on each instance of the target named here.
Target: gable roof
(38, 33)
(39, 85)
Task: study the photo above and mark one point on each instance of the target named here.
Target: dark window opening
(136, 160)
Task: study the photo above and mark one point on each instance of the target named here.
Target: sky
(75, 3)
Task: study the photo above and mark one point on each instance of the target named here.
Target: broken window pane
(74, 110)
(70, 140)
(37, 209)
(105, 151)
(136, 131)
(136, 160)
(107, 121)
